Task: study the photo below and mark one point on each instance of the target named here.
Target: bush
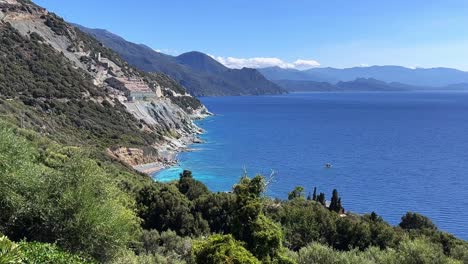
(420, 251)
(47, 253)
(218, 210)
(320, 254)
(190, 187)
(24, 252)
(304, 222)
(460, 252)
(163, 207)
(222, 249)
(416, 221)
(59, 195)
(167, 244)
(10, 253)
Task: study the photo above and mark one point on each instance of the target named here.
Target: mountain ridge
(196, 71)
(360, 84)
(71, 88)
(430, 77)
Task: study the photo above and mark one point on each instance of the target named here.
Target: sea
(390, 152)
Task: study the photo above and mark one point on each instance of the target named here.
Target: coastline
(171, 147)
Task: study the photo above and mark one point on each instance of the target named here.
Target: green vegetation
(222, 249)
(62, 200)
(416, 221)
(25, 252)
(56, 194)
(57, 199)
(52, 96)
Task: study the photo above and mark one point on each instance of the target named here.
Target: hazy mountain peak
(199, 73)
(200, 62)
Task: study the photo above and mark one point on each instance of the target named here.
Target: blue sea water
(391, 152)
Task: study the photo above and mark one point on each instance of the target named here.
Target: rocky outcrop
(170, 112)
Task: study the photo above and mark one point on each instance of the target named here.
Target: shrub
(48, 253)
(416, 221)
(59, 195)
(320, 254)
(420, 251)
(190, 187)
(167, 244)
(304, 222)
(218, 210)
(163, 207)
(222, 249)
(10, 253)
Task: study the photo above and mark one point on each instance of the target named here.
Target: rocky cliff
(66, 84)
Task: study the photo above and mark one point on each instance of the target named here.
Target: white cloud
(167, 51)
(305, 64)
(262, 62)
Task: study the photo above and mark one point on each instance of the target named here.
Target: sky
(290, 33)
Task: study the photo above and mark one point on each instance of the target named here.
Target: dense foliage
(41, 82)
(33, 252)
(56, 194)
(222, 249)
(52, 193)
(63, 201)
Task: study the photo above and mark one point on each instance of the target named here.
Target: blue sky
(334, 33)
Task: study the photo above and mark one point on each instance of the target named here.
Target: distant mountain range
(367, 78)
(360, 84)
(200, 74)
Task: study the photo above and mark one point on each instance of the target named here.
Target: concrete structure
(138, 90)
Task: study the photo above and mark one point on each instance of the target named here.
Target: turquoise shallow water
(391, 152)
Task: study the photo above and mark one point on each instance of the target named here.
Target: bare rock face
(133, 156)
(11, 2)
(158, 112)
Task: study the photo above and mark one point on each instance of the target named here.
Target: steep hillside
(63, 83)
(198, 72)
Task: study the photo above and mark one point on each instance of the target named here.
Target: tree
(416, 221)
(266, 238)
(314, 196)
(248, 205)
(352, 233)
(335, 203)
(304, 222)
(321, 199)
(191, 187)
(262, 236)
(218, 209)
(163, 207)
(382, 234)
(298, 192)
(222, 249)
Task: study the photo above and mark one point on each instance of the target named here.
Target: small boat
(328, 165)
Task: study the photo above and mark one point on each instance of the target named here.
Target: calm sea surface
(391, 152)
